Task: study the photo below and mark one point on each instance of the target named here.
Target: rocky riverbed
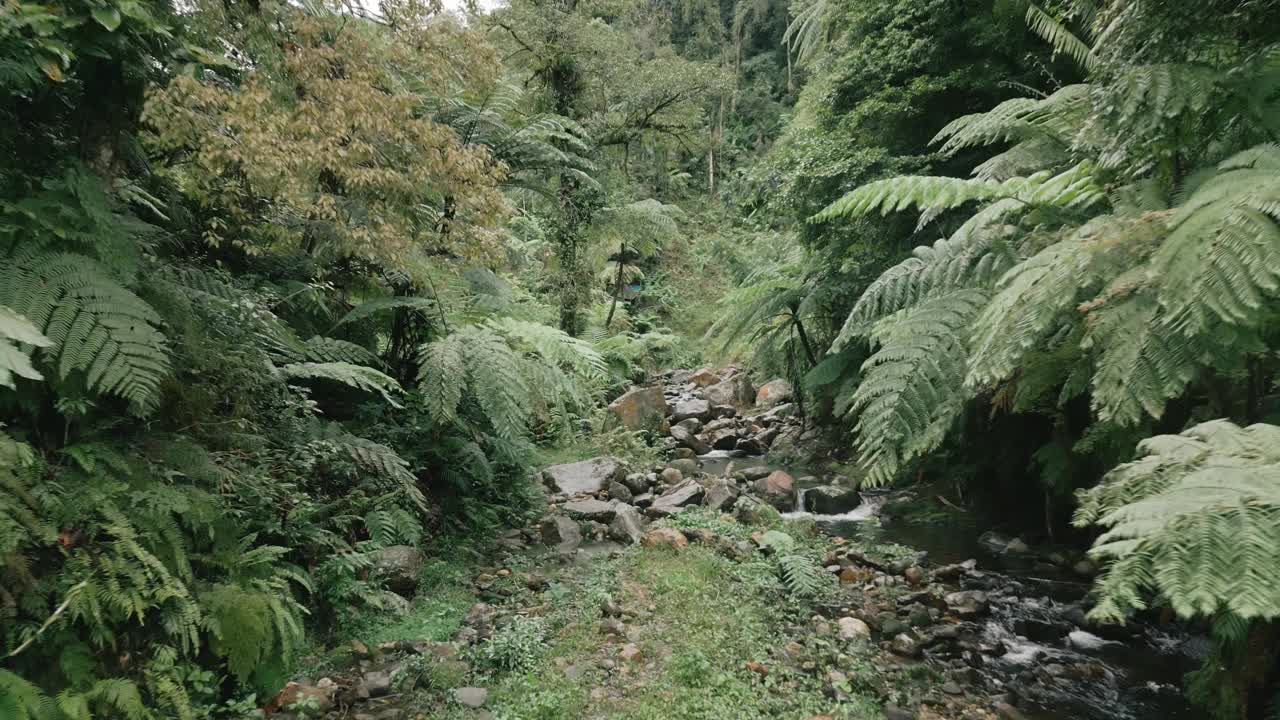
(1001, 635)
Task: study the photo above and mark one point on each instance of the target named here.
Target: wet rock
(591, 509)
(752, 473)
(690, 440)
(627, 525)
(1017, 545)
(967, 603)
(774, 392)
(399, 566)
(560, 531)
(1042, 631)
(777, 489)
(690, 409)
(955, 571)
(751, 511)
(619, 492)
(636, 482)
(683, 453)
(687, 492)
(472, 697)
(720, 495)
(665, 537)
(640, 408)
(831, 500)
(915, 576)
(765, 438)
(586, 476)
(687, 468)
(853, 629)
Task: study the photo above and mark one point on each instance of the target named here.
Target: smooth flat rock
(585, 476)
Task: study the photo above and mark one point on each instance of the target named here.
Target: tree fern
(1195, 519)
(321, 349)
(912, 387)
(94, 325)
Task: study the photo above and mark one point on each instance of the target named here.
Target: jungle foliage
(1103, 282)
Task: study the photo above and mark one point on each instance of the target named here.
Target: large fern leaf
(16, 330)
(356, 376)
(94, 325)
(913, 386)
(1196, 519)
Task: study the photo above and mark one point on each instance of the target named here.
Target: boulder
(725, 438)
(472, 697)
(750, 446)
(560, 531)
(691, 409)
(671, 476)
(619, 492)
(636, 482)
(627, 525)
(585, 476)
(686, 467)
(777, 489)
(399, 566)
(689, 440)
(591, 509)
(750, 511)
(688, 492)
(774, 392)
(640, 408)
(967, 603)
(665, 537)
(723, 411)
(853, 629)
(752, 473)
(720, 495)
(831, 500)
(722, 393)
(693, 425)
(704, 377)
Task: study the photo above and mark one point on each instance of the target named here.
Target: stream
(1034, 643)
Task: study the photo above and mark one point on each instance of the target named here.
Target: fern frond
(801, 575)
(913, 386)
(93, 324)
(973, 256)
(1063, 40)
(356, 376)
(1196, 519)
(372, 307)
(321, 349)
(17, 330)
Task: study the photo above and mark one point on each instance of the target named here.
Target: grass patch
(698, 618)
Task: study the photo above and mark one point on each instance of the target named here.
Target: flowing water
(1035, 642)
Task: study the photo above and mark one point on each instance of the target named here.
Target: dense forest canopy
(288, 284)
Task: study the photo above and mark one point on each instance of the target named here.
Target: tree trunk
(617, 288)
